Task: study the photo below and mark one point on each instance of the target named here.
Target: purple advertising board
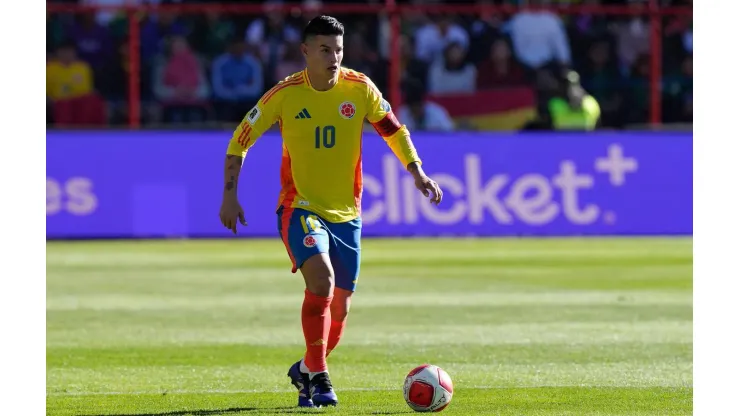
(169, 184)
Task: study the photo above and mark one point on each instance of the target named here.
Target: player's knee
(319, 275)
(340, 304)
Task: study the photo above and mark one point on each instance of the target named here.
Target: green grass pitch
(523, 326)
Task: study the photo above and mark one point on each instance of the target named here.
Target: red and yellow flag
(499, 109)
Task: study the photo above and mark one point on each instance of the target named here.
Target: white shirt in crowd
(430, 42)
(538, 37)
(442, 81)
(436, 118)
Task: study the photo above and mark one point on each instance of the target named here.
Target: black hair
(323, 26)
(570, 86)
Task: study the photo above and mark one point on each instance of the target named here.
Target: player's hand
(231, 212)
(428, 187)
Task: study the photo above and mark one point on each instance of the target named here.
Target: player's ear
(304, 49)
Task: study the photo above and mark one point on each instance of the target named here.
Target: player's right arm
(255, 123)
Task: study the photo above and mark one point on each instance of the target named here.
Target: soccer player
(321, 111)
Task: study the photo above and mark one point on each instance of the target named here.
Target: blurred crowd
(212, 67)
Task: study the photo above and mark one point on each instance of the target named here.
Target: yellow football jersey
(321, 167)
(68, 81)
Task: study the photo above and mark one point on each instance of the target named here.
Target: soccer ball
(428, 388)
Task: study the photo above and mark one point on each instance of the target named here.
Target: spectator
(633, 38)
(432, 38)
(500, 70)
(69, 90)
(155, 32)
(180, 83)
(238, 81)
(66, 76)
(213, 34)
(452, 75)
(539, 38)
(566, 105)
(291, 63)
(419, 114)
(411, 68)
(93, 42)
(483, 32)
(573, 108)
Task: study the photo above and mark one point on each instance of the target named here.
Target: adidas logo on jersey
(303, 114)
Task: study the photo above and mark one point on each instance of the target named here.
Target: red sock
(335, 333)
(316, 319)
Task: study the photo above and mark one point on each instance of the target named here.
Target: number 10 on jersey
(325, 136)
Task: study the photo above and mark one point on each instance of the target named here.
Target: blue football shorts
(306, 234)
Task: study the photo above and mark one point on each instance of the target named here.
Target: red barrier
(395, 12)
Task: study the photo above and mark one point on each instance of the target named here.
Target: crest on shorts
(347, 110)
(309, 241)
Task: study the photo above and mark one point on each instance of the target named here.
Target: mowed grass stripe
(267, 246)
(219, 262)
(349, 355)
(376, 251)
(377, 280)
(247, 272)
(236, 317)
(291, 389)
(252, 301)
(180, 331)
(272, 377)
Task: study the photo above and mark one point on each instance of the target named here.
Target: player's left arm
(397, 136)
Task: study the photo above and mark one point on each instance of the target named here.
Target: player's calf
(339, 310)
(315, 313)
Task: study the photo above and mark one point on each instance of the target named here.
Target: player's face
(324, 54)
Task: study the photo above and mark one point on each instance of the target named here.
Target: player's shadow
(214, 412)
(243, 410)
